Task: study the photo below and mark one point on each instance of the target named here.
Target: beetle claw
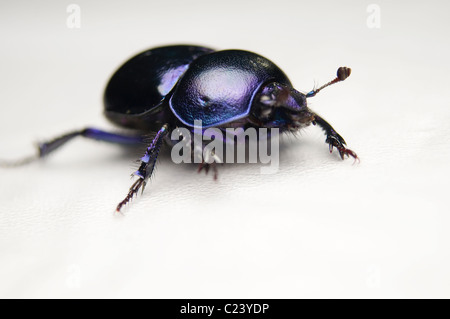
(338, 142)
(206, 166)
(347, 152)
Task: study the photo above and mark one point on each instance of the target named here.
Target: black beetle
(168, 87)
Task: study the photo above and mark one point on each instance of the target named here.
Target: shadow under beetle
(168, 87)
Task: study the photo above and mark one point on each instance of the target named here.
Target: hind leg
(48, 147)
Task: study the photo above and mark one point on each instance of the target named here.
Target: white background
(320, 227)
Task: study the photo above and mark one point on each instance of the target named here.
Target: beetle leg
(333, 138)
(148, 162)
(48, 147)
(205, 159)
(206, 166)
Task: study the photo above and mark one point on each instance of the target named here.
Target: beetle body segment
(135, 93)
(219, 88)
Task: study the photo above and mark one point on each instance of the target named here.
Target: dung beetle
(167, 87)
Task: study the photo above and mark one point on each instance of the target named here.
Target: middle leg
(148, 162)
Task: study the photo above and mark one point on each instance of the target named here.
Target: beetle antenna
(342, 73)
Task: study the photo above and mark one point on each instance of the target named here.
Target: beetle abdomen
(142, 83)
(219, 88)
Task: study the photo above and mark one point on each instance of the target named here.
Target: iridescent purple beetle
(168, 87)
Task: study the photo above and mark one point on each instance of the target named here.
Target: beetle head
(278, 105)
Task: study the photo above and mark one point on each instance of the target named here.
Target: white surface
(319, 228)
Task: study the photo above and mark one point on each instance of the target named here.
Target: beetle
(167, 87)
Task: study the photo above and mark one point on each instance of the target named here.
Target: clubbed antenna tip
(343, 72)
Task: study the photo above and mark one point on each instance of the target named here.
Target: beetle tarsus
(334, 139)
(21, 162)
(206, 166)
(148, 163)
(348, 152)
(215, 172)
(134, 189)
(343, 151)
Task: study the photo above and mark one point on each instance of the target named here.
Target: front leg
(333, 138)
